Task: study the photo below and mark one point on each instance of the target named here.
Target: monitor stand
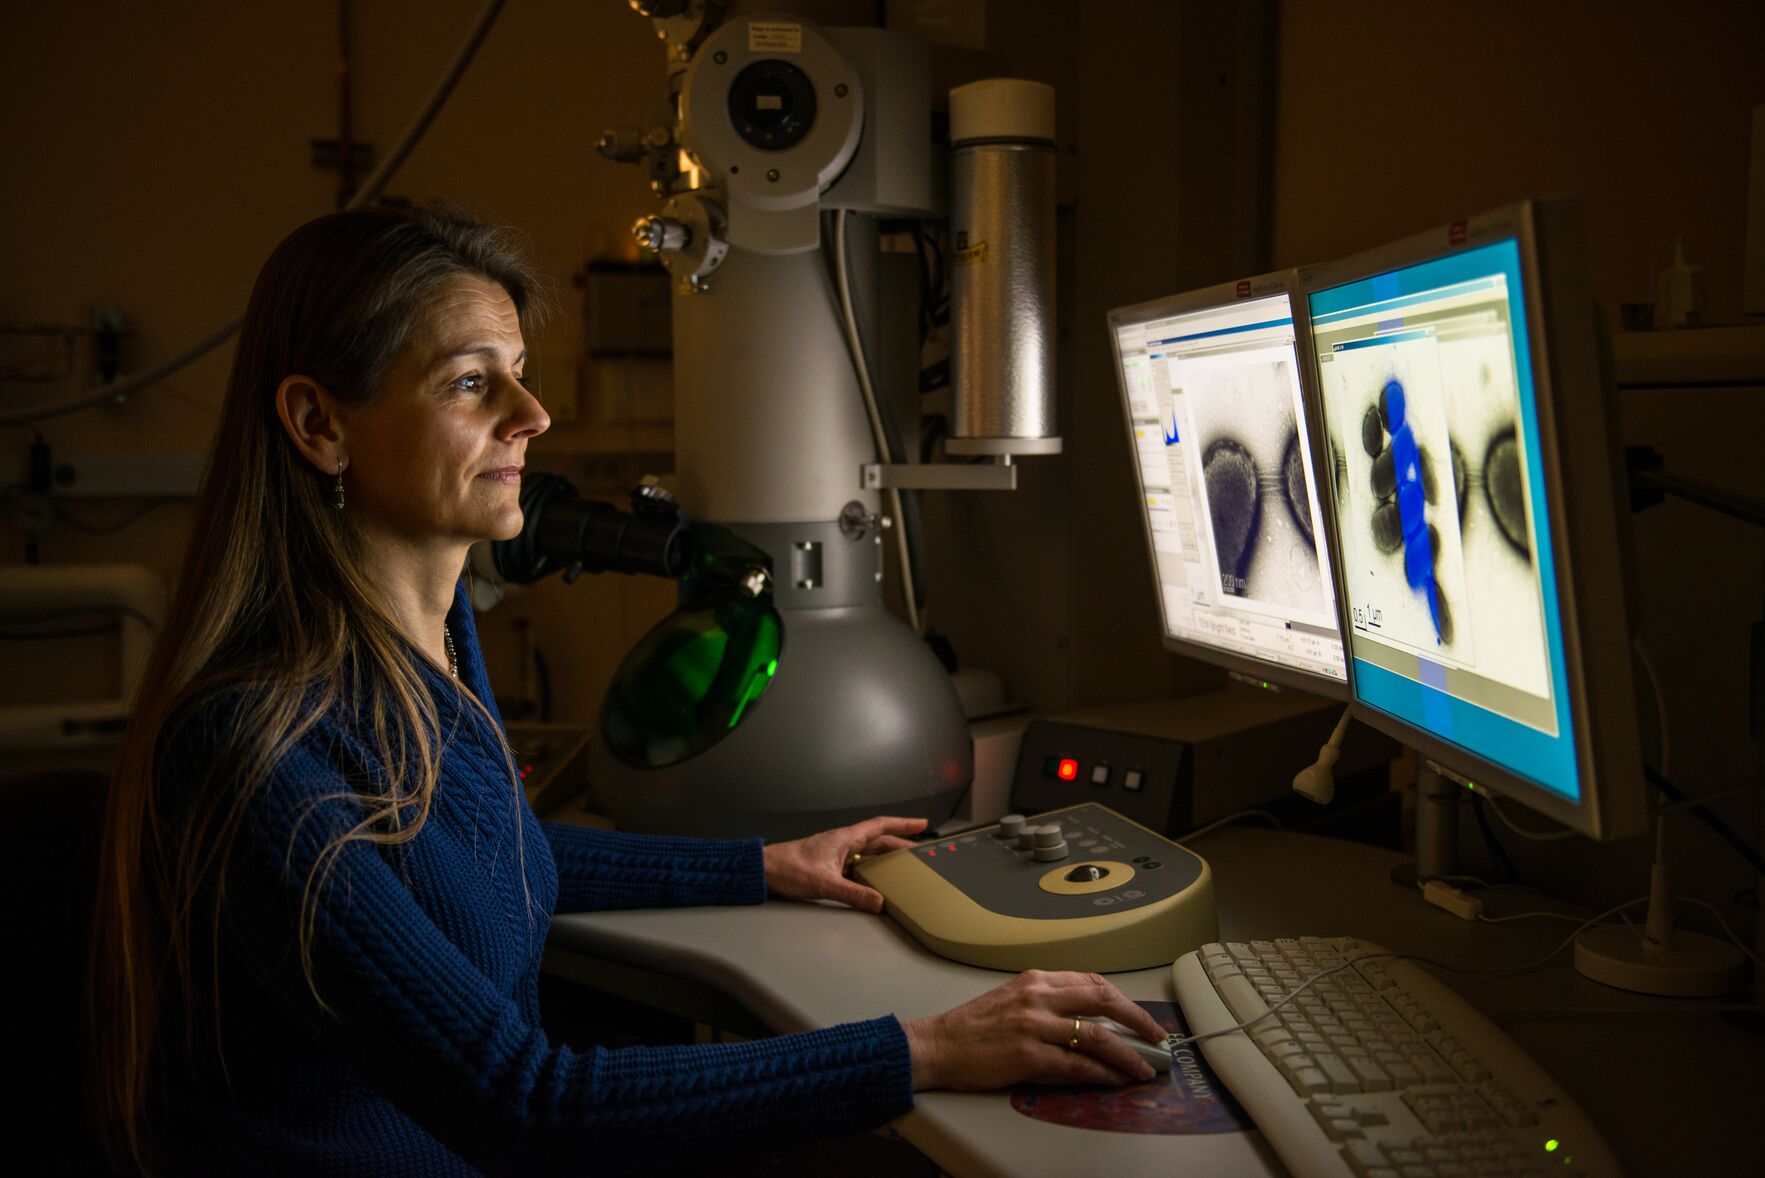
(1438, 800)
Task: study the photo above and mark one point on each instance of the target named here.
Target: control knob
(1049, 844)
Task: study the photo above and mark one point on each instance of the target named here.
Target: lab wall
(156, 154)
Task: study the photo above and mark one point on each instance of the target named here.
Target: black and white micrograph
(1479, 604)
(1255, 485)
(1482, 408)
(1403, 561)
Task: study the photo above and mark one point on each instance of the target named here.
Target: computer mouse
(1156, 1054)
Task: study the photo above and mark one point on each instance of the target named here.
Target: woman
(324, 897)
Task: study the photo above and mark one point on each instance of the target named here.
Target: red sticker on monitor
(1456, 233)
(1244, 288)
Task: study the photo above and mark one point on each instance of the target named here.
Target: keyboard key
(1366, 1159)
(1373, 1078)
(1241, 998)
(1341, 1077)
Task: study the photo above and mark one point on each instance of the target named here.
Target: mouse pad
(1188, 1099)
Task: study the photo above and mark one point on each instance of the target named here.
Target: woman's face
(437, 454)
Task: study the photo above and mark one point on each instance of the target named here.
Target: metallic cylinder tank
(1002, 268)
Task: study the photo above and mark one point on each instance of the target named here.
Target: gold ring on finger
(1072, 1044)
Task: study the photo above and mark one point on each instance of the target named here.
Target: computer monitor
(1474, 508)
(1223, 435)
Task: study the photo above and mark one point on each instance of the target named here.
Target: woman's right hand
(1019, 1032)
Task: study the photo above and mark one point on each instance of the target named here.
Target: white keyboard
(1379, 1070)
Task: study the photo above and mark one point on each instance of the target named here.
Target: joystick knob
(1011, 826)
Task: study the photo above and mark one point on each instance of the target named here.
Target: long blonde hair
(274, 611)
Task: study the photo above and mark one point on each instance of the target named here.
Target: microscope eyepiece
(563, 531)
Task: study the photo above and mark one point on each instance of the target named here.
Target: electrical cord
(1704, 815)
(1498, 853)
(370, 189)
(1714, 498)
(1654, 678)
(8, 634)
(1605, 1011)
(1537, 836)
(110, 529)
(842, 281)
(1453, 900)
(1265, 815)
(60, 615)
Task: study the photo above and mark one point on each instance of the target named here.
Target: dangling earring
(337, 495)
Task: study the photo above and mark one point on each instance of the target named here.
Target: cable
(1746, 510)
(110, 529)
(1722, 829)
(8, 634)
(1482, 883)
(58, 615)
(370, 189)
(1498, 853)
(842, 281)
(1692, 803)
(1738, 943)
(1602, 1011)
(1654, 678)
(1526, 916)
(1537, 836)
(1227, 820)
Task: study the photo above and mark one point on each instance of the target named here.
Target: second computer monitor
(1214, 390)
(1471, 456)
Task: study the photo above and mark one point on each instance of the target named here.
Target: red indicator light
(932, 852)
(952, 846)
(1069, 769)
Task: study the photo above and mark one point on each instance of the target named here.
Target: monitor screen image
(1222, 445)
(1449, 571)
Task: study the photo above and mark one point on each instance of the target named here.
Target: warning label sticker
(775, 36)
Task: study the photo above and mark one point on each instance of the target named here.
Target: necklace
(453, 660)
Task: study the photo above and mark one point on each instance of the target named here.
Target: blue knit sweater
(431, 1059)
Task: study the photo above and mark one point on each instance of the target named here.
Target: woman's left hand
(815, 868)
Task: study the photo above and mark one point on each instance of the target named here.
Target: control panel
(1081, 888)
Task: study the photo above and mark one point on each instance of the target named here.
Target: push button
(1133, 779)
(1100, 775)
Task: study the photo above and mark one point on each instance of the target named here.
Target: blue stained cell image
(1412, 507)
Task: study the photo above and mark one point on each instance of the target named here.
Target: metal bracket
(940, 476)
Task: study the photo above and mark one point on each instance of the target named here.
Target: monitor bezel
(1583, 484)
(1262, 286)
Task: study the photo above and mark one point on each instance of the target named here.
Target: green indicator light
(772, 668)
(1551, 1145)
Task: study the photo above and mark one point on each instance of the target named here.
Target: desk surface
(1673, 1091)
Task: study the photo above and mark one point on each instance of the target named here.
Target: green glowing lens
(1550, 1146)
(689, 682)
